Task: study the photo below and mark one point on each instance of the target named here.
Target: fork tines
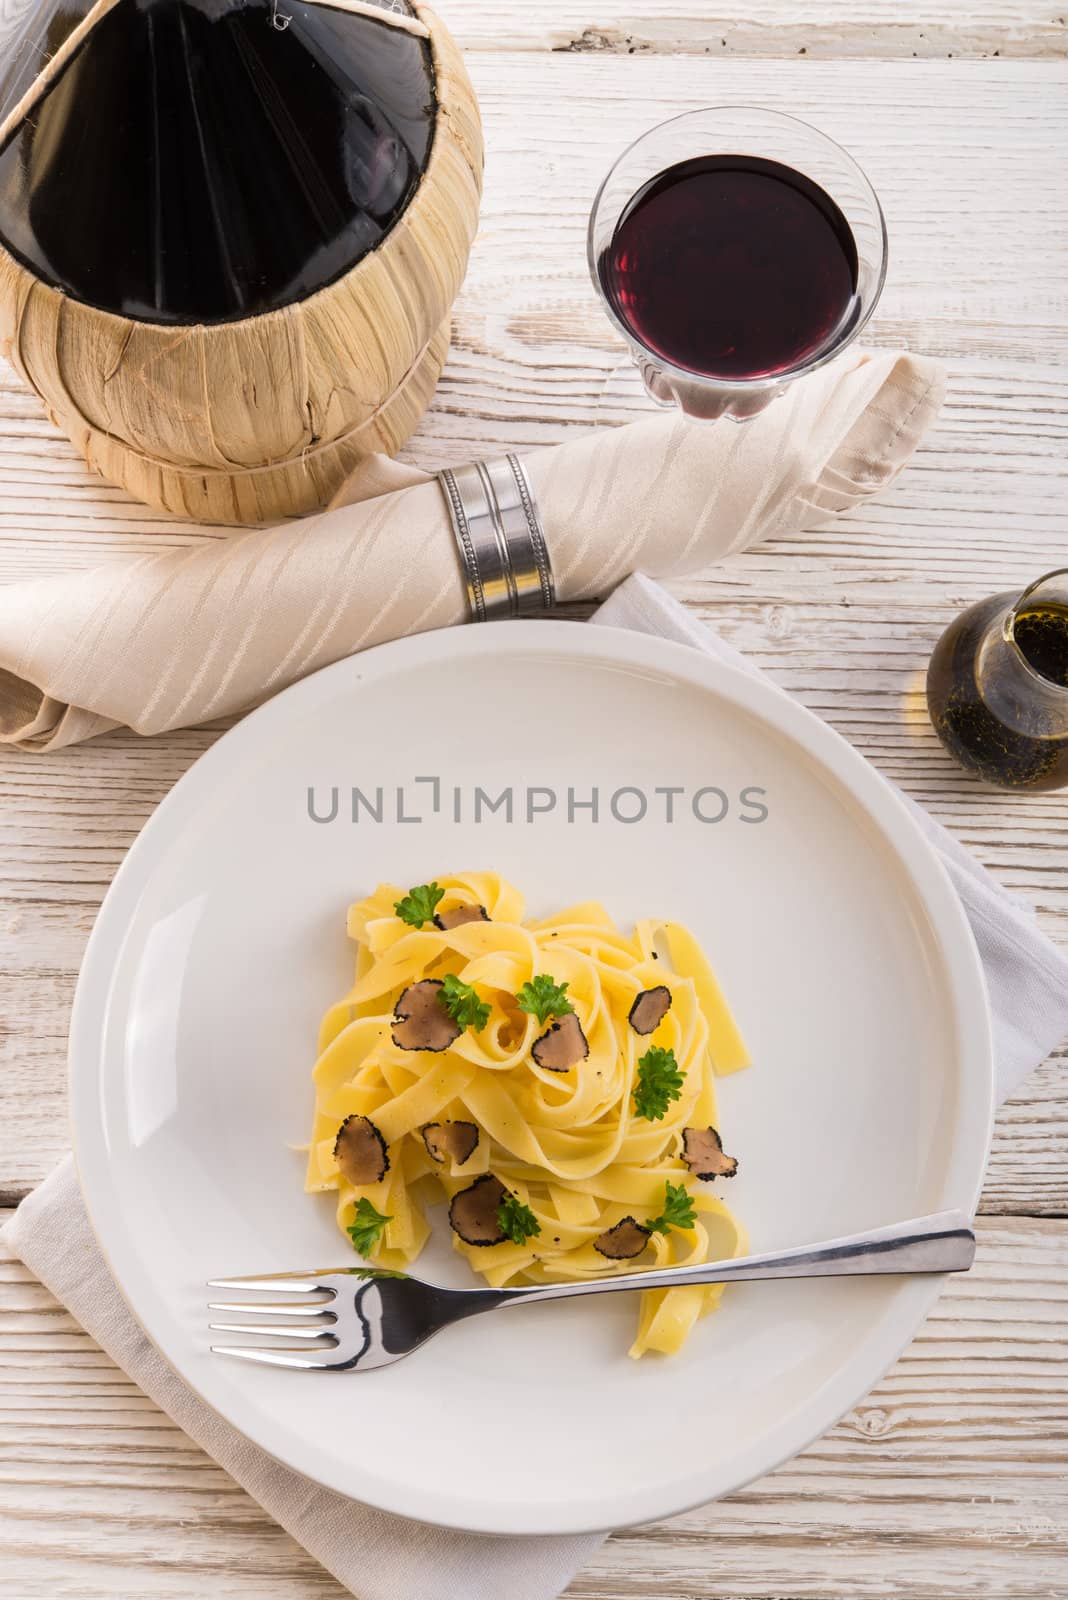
(317, 1320)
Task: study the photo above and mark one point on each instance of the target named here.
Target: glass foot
(623, 397)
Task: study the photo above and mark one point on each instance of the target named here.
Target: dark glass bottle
(997, 687)
(199, 161)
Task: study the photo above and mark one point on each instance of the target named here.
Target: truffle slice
(650, 1009)
(360, 1151)
(473, 1212)
(422, 1023)
(623, 1242)
(702, 1151)
(451, 1141)
(562, 1046)
(459, 916)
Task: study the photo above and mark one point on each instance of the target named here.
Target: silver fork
(353, 1318)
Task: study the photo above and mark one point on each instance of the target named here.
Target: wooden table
(949, 1480)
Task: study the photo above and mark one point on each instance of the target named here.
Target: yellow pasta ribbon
(570, 1145)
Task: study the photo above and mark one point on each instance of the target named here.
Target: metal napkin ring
(500, 539)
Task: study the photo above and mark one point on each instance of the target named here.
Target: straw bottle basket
(231, 232)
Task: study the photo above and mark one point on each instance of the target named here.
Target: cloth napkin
(382, 1557)
(181, 638)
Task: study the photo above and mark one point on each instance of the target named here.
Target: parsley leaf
(517, 1220)
(659, 1082)
(462, 1003)
(679, 1210)
(365, 1229)
(543, 997)
(418, 904)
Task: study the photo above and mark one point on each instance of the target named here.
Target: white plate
(840, 943)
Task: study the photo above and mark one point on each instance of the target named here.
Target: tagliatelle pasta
(433, 1080)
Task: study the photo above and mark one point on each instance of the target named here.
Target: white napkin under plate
(378, 1556)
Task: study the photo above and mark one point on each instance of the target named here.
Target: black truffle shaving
(473, 1212)
(623, 1242)
(702, 1151)
(421, 1021)
(360, 1152)
(562, 1046)
(451, 1141)
(460, 916)
(649, 1009)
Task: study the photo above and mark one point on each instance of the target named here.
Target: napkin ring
(500, 539)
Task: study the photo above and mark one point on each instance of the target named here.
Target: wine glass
(735, 249)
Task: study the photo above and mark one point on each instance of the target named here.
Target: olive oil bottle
(997, 687)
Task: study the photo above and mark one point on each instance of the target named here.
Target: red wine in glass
(732, 266)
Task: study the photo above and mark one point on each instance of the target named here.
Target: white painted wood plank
(947, 1481)
(908, 28)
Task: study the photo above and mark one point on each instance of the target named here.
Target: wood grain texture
(907, 28)
(949, 1480)
(963, 1444)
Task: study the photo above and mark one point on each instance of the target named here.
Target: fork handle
(944, 1242)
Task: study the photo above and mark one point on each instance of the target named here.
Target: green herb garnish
(419, 904)
(679, 1210)
(365, 1229)
(543, 997)
(462, 1003)
(517, 1220)
(659, 1082)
